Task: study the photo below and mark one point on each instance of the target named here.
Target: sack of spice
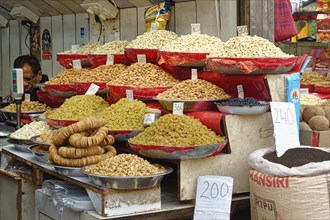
(293, 186)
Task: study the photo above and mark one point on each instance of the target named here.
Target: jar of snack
(150, 116)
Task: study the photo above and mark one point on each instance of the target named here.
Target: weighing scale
(17, 87)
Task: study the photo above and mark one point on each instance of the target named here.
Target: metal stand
(18, 102)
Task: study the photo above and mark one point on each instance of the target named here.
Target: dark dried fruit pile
(298, 157)
(241, 102)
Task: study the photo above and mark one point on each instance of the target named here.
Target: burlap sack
(288, 197)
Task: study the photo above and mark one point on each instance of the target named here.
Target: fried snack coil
(81, 141)
(83, 125)
(72, 152)
(80, 162)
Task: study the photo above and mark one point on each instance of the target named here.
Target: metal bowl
(43, 145)
(11, 117)
(40, 156)
(178, 152)
(189, 105)
(123, 135)
(21, 144)
(70, 171)
(128, 182)
(243, 110)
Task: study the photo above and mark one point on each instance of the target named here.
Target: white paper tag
(194, 74)
(27, 97)
(117, 35)
(129, 94)
(242, 30)
(213, 197)
(149, 118)
(178, 108)
(196, 28)
(240, 91)
(304, 91)
(153, 27)
(323, 101)
(75, 48)
(76, 64)
(110, 59)
(141, 58)
(285, 126)
(92, 90)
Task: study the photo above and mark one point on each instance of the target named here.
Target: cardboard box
(315, 138)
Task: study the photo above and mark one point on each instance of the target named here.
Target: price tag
(194, 74)
(323, 101)
(129, 94)
(304, 91)
(213, 198)
(240, 91)
(27, 97)
(117, 35)
(285, 126)
(141, 58)
(153, 27)
(196, 28)
(178, 108)
(149, 118)
(75, 48)
(242, 30)
(92, 90)
(76, 64)
(110, 59)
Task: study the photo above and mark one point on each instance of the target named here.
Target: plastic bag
(284, 26)
(156, 17)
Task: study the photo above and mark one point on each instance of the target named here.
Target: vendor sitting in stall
(32, 74)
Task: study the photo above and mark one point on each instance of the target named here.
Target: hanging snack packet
(156, 17)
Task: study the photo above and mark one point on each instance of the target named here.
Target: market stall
(132, 126)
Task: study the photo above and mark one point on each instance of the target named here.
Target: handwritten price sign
(110, 59)
(285, 126)
(76, 64)
(178, 108)
(129, 94)
(213, 197)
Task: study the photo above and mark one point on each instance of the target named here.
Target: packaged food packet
(323, 5)
(156, 17)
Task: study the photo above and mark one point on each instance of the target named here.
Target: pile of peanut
(125, 165)
(152, 40)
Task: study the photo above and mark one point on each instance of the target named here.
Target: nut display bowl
(322, 89)
(177, 152)
(128, 182)
(182, 59)
(243, 110)
(151, 54)
(40, 156)
(11, 117)
(21, 144)
(101, 59)
(43, 145)
(124, 135)
(60, 123)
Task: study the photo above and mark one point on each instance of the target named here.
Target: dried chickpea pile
(104, 73)
(68, 76)
(194, 90)
(30, 130)
(124, 115)
(248, 46)
(83, 143)
(308, 99)
(114, 47)
(152, 40)
(144, 75)
(85, 49)
(27, 106)
(125, 165)
(79, 107)
(194, 43)
(313, 78)
(177, 130)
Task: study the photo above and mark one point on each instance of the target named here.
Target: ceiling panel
(58, 6)
(30, 5)
(73, 6)
(123, 3)
(45, 8)
(5, 13)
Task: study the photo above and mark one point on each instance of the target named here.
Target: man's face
(29, 78)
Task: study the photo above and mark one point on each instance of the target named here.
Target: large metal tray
(69, 171)
(21, 144)
(43, 145)
(189, 105)
(178, 152)
(40, 156)
(123, 135)
(128, 182)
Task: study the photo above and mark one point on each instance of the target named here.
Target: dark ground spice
(298, 157)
